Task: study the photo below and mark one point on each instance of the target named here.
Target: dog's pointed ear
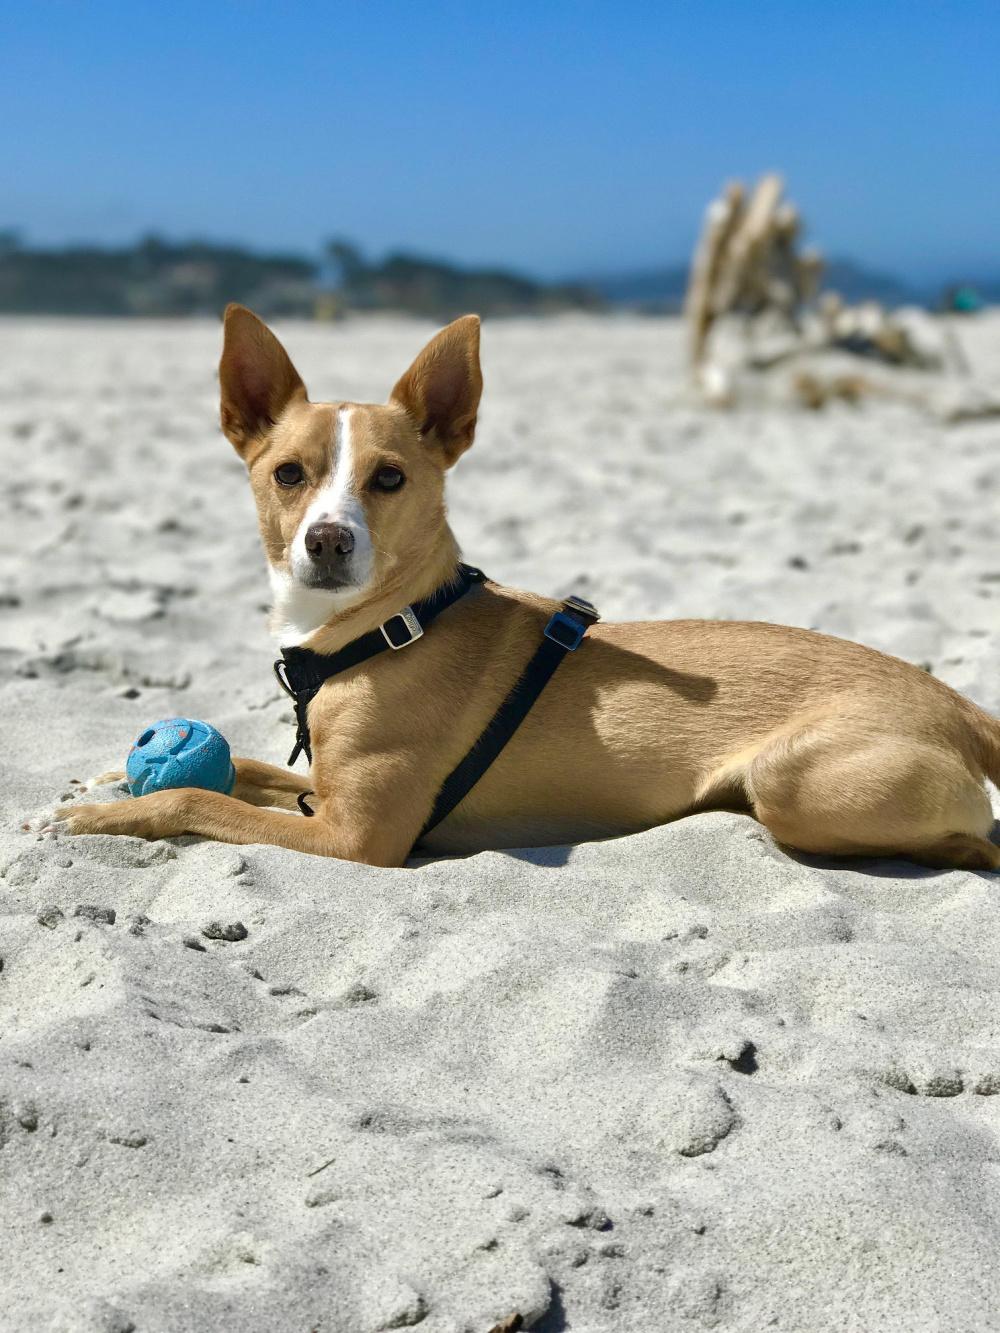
(256, 377)
(440, 392)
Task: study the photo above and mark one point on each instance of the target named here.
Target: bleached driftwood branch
(721, 218)
(753, 302)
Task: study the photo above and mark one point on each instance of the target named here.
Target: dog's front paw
(82, 819)
(159, 815)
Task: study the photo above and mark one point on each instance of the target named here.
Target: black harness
(302, 673)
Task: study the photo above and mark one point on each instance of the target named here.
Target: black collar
(301, 672)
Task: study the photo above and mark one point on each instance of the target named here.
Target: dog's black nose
(325, 540)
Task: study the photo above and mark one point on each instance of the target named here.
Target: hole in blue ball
(146, 737)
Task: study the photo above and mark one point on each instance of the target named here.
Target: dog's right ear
(256, 376)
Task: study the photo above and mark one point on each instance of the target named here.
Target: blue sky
(559, 138)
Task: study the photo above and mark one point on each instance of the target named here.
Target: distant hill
(152, 277)
(660, 289)
(855, 283)
(158, 277)
(442, 290)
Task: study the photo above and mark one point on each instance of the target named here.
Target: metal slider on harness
(412, 629)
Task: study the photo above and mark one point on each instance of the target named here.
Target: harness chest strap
(301, 673)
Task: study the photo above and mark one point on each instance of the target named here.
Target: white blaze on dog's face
(350, 496)
(334, 519)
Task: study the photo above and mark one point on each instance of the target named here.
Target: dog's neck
(325, 621)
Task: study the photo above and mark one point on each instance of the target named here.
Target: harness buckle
(411, 627)
(565, 631)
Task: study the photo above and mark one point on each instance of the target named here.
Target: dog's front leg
(209, 814)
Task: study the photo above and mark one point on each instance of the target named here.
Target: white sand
(678, 1081)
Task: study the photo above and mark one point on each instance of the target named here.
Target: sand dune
(676, 1081)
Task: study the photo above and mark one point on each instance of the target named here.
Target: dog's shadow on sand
(878, 867)
(541, 856)
(886, 867)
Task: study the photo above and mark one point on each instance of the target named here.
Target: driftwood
(753, 303)
(748, 264)
(721, 218)
(826, 379)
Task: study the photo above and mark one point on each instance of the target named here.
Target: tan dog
(834, 747)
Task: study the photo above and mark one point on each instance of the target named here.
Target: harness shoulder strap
(563, 634)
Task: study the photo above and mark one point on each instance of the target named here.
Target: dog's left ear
(440, 391)
(256, 377)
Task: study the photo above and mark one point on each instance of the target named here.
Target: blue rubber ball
(179, 752)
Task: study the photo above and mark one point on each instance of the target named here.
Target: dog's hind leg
(959, 851)
(835, 788)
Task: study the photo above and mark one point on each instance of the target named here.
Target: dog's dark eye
(388, 479)
(289, 474)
